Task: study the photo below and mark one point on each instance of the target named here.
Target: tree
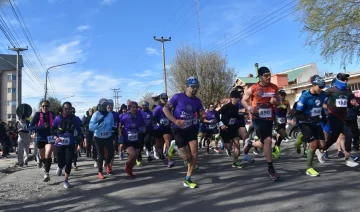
(55, 104)
(215, 78)
(148, 97)
(333, 26)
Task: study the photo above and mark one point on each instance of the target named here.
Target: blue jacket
(103, 129)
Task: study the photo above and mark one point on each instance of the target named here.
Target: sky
(112, 43)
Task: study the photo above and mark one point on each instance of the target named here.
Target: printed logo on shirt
(189, 108)
(317, 102)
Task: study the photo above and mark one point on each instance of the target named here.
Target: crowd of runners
(173, 126)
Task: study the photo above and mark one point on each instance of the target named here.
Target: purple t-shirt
(185, 109)
(131, 126)
(162, 121)
(147, 116)
(210, 115)
(72, 124)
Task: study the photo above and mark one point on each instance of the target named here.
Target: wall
(5, 96)
(281, 80)
(311, 70)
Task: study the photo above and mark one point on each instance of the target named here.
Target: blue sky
(112, 42)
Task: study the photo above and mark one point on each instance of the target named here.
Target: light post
(47, 75)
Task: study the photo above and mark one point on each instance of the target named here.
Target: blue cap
(317, 80)
(145, 104)
(110, 101)
(163, 95)
(192, 81)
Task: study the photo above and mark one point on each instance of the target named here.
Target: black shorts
(240, 122)
(161, 133)
(280, 126)
(209, 133)
(263, 128)
(135, 145)
(229, 134)
(115, 136)
(183, 137)
(311, 132)
(41, 144)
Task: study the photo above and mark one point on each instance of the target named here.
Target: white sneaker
(320, 156)
(350, 162)
(156, 156)
(46, 177)
(58, 171)
(95, 164)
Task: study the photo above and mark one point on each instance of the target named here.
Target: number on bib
(281, 120)
(64, 141)
(51, 139)
(265, 113)
(232, 121)
(316, 111)
(341, 102)
(188, 123)
(164, 122)
(104, 135)
(132, 136)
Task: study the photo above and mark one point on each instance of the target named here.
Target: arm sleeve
(35, 120)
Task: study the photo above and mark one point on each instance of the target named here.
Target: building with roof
(8, 87)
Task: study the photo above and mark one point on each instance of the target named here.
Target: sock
(75, 158)
(270, 165)
(47, 162)
(278, 142)
(310, 157)
(42, 161)
(188, 178)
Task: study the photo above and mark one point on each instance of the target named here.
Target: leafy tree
(333, 27)
(215, 78)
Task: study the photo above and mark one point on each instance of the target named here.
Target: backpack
(41, 120)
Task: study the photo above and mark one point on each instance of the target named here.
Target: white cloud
(156, 82)
(107, 2)
(83, 28)
(146, 73)
(151, 51)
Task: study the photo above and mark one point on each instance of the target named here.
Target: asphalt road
(158, 188)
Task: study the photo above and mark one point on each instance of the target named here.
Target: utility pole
(163, 40)
(198, 21)
(116, 90)
(117, 100)
(257, 69)
(47, 76)
(18, 74)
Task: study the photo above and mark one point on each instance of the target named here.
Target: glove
(121, 140)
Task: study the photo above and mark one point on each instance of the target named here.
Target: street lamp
(47, 75)
(66, 97)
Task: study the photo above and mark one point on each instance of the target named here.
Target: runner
(263, 98)
(280, 121)
(90, 147)
(22, 127)
(77, 135)
(115, 131)
(185, 126)
(210, 125)
(123, 110)
(148, 138)
(102, 123)
(309, 115)
(340, 99)
(41, 124)
(133, 129)
(64, 128)
(228, 127)
(162, 130)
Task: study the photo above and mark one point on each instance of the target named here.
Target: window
(11, 90)
(12, 103)
(9, 116)
(11, 77)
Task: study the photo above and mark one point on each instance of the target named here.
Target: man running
(263, 96)
(185, 125)
(210, 125)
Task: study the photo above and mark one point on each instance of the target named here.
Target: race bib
(265, 113)
(104, 135)
(133, 136)
(232, 121)
(212, 126)
(316, 111)
(281, 120)
(64, 141)
(341, 102)
(51, 139)
(188, 123)
(164, 122)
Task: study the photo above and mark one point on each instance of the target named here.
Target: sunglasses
(194, 86)
(266, 75)
(164, 98)
(44, 105)
(344, 79)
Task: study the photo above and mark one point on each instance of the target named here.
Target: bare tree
(333, 27)
(148, 97)
(211, 69)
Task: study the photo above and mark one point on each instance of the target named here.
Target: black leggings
(100, 144)
(64, 156)
(148, 140)
(89, 143)
(355, 130)
(338, 126)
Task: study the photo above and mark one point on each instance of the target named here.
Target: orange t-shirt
(260, 100)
